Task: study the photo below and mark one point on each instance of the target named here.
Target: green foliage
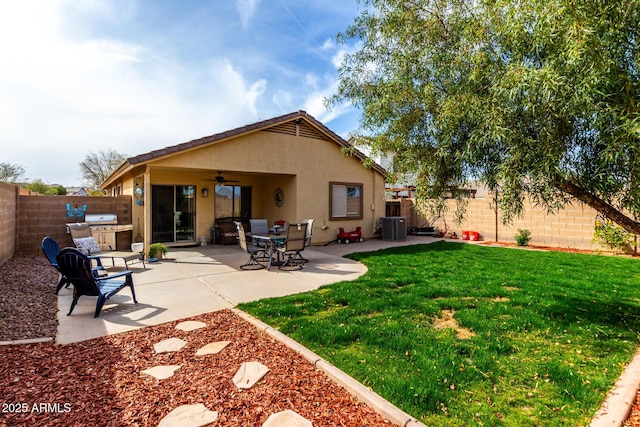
(553, 331)
(535, 98)
(38, 186)
(60, 190)
(157, 250)
(523, 236)
(611, 236)
(10, 172)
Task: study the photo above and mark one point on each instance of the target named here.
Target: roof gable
(299, 123)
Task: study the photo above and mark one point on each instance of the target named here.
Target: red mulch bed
(98, 382)
(634, 417)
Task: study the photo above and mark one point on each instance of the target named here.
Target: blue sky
(138, 75)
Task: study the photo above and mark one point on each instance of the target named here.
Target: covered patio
(193, 281)
(202, 279)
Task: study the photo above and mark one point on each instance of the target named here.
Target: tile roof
(253, 127)
(141, 158)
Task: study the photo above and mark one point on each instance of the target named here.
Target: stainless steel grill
(104, 228)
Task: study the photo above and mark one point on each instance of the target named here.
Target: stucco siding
(299, 157)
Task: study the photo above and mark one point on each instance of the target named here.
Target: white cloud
(63, 97)
(311, 80)
(246, 9)
(283, 100)
(328, 44)
(88, 75)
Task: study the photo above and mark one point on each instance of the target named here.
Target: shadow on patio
(193, 281)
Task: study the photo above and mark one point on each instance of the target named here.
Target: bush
(612, 236)
(157, 250)
(523, 237)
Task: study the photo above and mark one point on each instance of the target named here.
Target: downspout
(373, 204)
(146, 213)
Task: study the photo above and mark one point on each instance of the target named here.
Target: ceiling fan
(220, 179)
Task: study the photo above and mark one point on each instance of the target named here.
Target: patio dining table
(272, 241)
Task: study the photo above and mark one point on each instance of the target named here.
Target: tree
(10, 172)
(537, 98)
(96, 167)
(39, 186)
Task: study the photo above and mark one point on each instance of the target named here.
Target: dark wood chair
(76, 267)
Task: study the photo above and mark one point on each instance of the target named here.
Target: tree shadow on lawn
(571, 310)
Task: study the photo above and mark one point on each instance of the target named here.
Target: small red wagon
(350, 236)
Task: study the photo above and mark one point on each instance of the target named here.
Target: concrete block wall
(40, 216)
(571, 227)
(8, 215)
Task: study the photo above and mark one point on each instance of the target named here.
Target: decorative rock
(169, 345)
(161, 372)
(212, 348)
(189, 416)
(287, 418)
(190, 325)
(249, 374)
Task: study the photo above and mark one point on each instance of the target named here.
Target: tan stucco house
(287, 168)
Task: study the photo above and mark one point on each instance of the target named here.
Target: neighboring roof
(76, 190)
(254, 127)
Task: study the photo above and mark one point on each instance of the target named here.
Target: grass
(537, 338)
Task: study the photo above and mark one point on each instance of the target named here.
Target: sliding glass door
(173, 209)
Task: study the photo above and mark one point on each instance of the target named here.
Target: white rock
(189, 416)
(161, 372)
(190, 325)
(169, 345)
(249, 374)
(212, 348)
(287, 418)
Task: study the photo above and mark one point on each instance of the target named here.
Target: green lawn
(547, 333)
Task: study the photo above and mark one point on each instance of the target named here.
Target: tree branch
(598, 204)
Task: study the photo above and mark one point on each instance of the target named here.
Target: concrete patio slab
(202, 279)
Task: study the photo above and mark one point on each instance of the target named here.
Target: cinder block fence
(572, 227)
(26, 219)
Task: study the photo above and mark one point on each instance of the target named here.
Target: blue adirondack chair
(76, 267)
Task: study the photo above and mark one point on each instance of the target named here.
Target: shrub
(523, 237)
(612, 236)
(157, 250)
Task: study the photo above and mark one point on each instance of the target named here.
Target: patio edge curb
(27, 341)
(362, 393)
(619, 401)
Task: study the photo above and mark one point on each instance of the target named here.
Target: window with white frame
(345, 200)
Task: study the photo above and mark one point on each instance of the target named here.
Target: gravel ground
(28, 303)
(99, 382)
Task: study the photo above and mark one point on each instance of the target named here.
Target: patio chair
(296, 234)
(307, 239)
(260, 227)
(76, 267)
(51, 248)
(250, 248)
(84, 241)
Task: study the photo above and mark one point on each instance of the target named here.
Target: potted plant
(157, 250)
